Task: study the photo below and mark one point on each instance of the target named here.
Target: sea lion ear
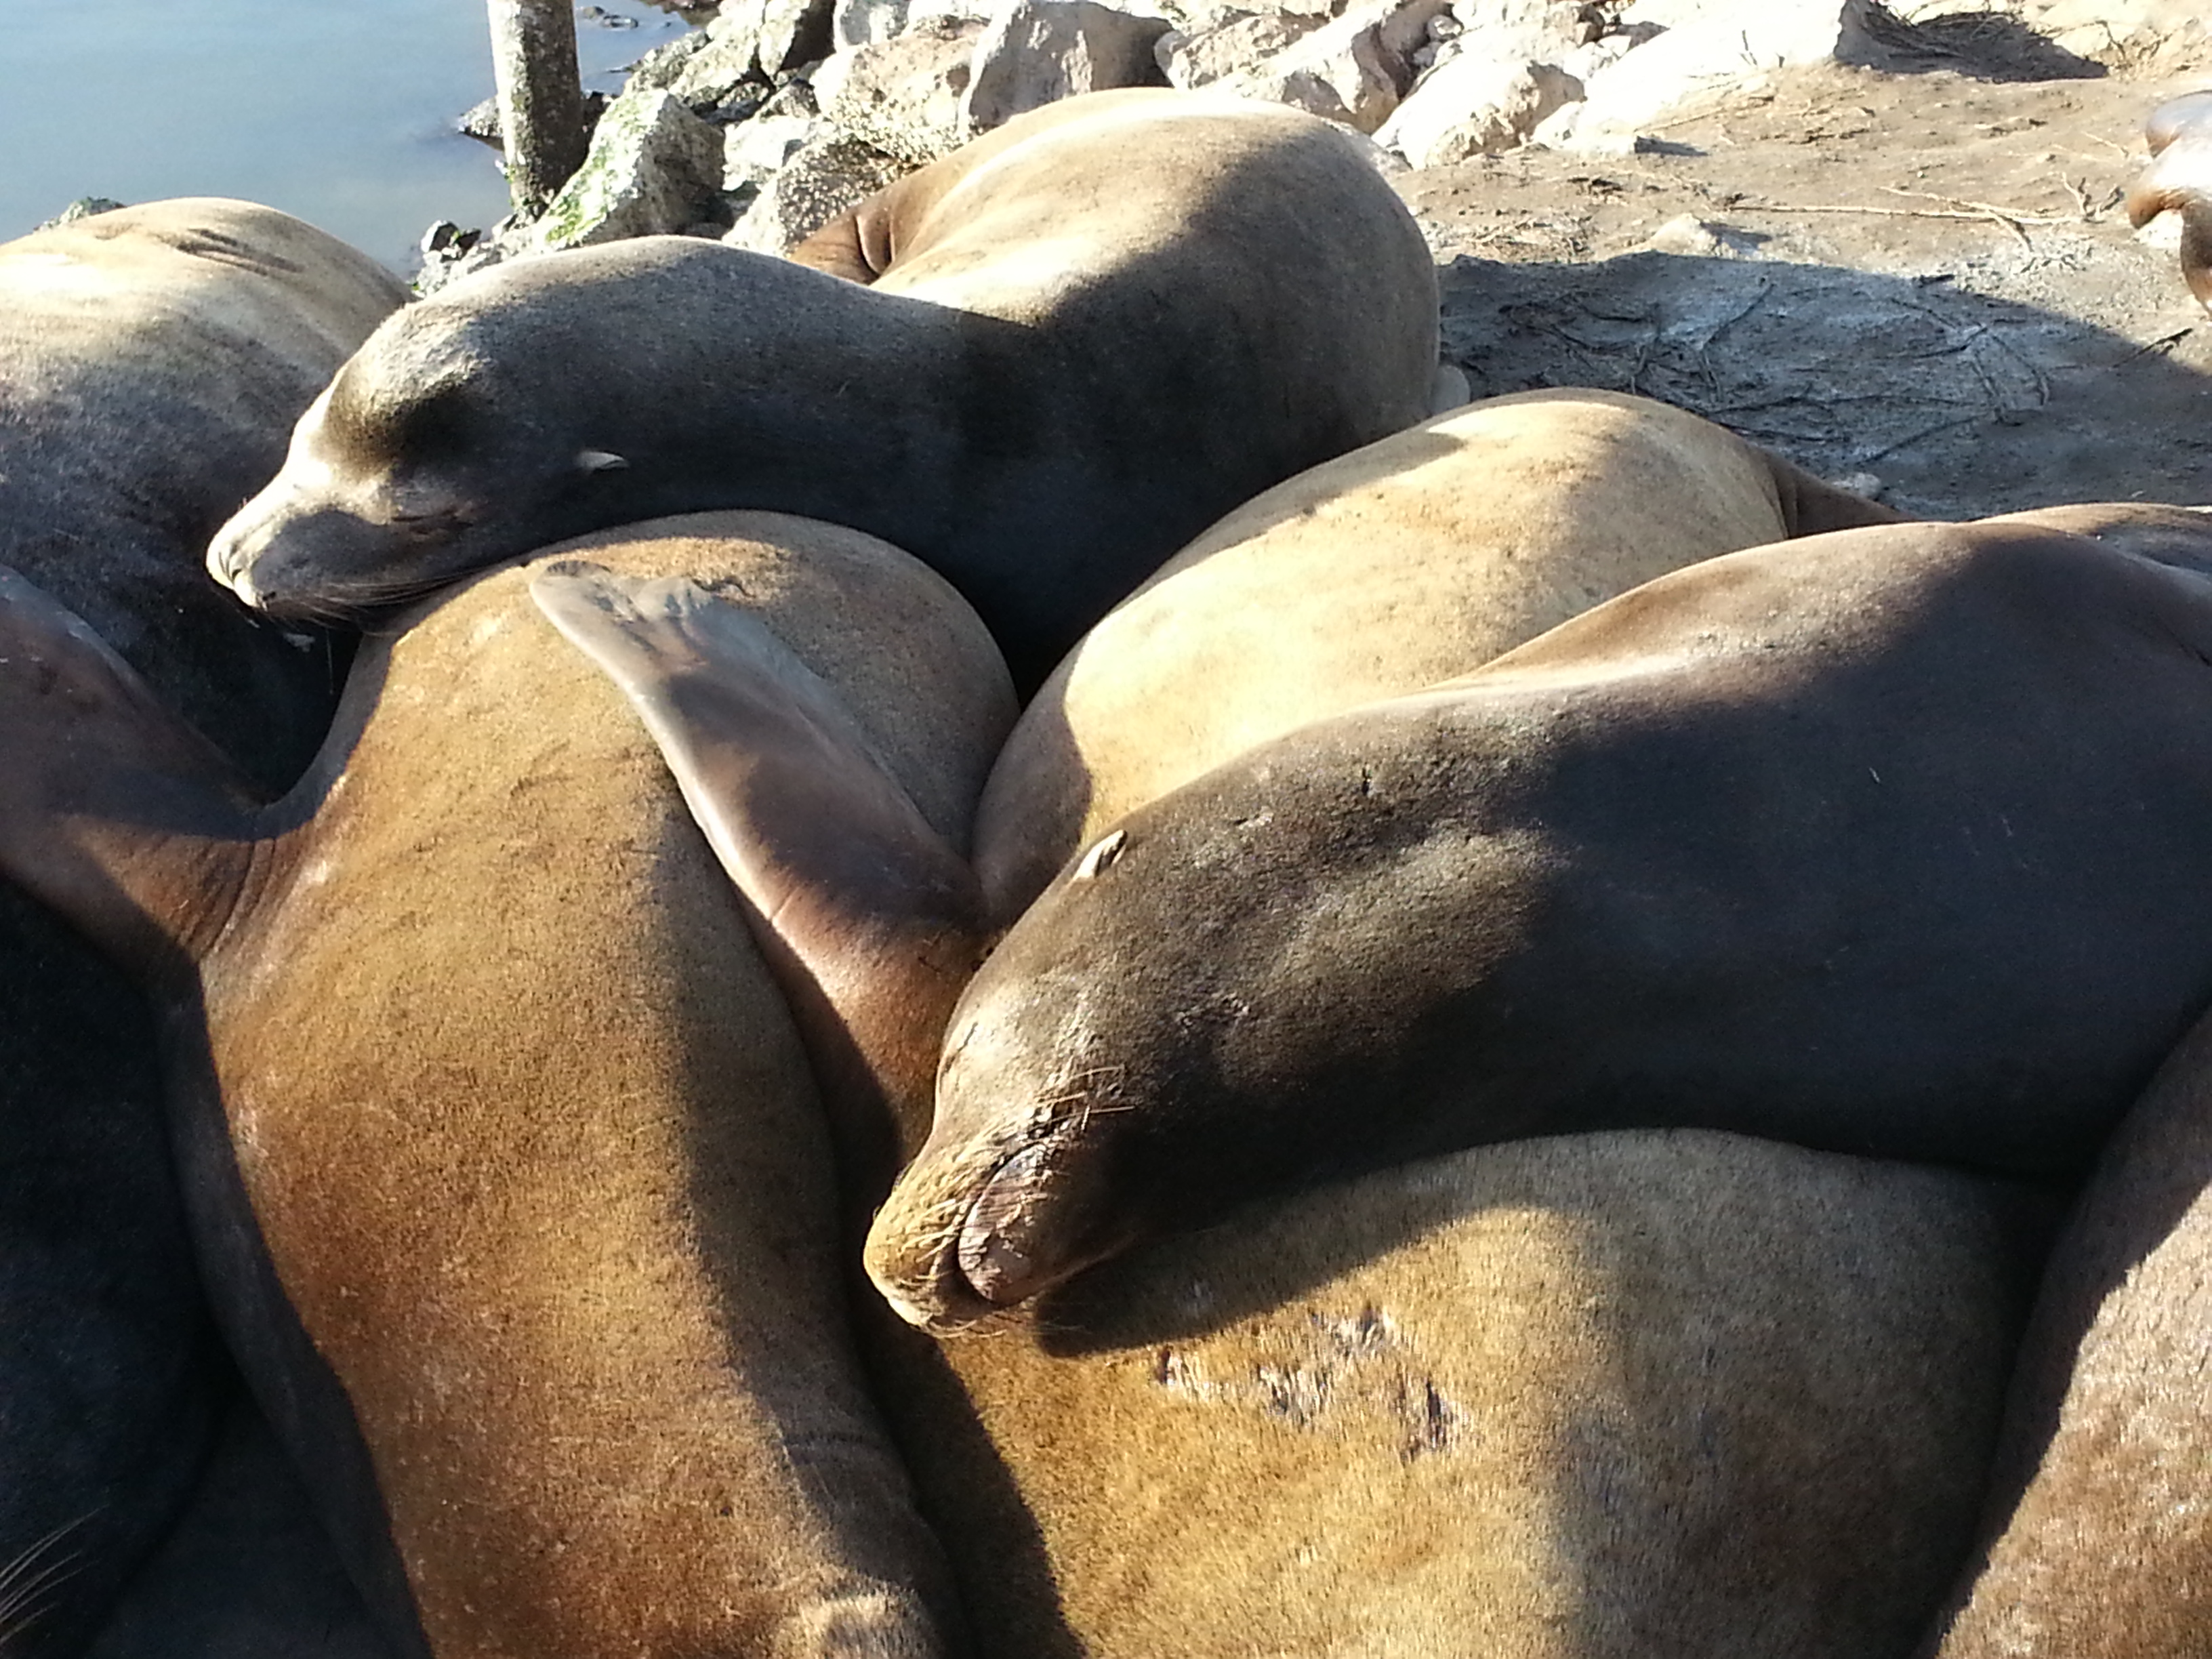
(600, 460)
(870, 920)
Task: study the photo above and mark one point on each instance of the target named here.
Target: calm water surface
(339, 111)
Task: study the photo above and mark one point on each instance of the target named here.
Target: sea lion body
(1883, 842)
(248, 1573)
(484, 1091)
(2179, 179)
(1101, 327)
(152, 360)
(2102, 1511)
(1509, 1401)
(1421, 556)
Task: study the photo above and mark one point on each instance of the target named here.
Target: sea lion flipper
(870, 921)
(116, 814)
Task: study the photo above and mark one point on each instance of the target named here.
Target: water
(339, 111)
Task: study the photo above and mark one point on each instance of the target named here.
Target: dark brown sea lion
(497, 1137)
(2179, 180)
(248, 1572)
(1419, 557)
(2103, 1494)
(1606, 1397)
(1884, 842)
(151, 361)
(1100, 327)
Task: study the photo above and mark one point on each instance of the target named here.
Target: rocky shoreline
(776, 115)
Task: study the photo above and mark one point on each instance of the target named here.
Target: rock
(1711, 48)
(1353, 69)
(820, 181)
(481, 121)
(754, 151)
(1690, 236)
(1230, 47)
(654, 167)
(870, 22)
(905, 98)
(83, 208)
(659, 68)
(1474, 104)
(1034, 52)
(604, 18)
(772, 37)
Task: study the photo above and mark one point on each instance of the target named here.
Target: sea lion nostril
(998, 1242)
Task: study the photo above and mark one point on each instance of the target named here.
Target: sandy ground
(1924, 276)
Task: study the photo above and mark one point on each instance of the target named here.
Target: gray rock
(1709, 48)
(1353, 69)
(1036, 53)
(754, 151)
(1231, 46)
(820, 181)
(907, 97)
(83, 208)
(775, 36)
(1474, 104)
(654, 167)
(659, 68)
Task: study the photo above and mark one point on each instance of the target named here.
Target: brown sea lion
(498, 1140)
(1419, 557)
(151, 361)
(1600, 1397)
(1098, 328)
(1883, 841)
(2179, 179)
(248, 1573)
(2102, 1505)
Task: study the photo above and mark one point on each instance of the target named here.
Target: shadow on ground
(1961, 404)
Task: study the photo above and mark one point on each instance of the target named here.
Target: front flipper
(114, 812)
(870, 922)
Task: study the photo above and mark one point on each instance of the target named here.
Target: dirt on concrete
(1919, 278)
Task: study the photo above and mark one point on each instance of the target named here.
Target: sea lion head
(439, 448)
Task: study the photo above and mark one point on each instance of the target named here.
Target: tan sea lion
(1597, 1397)
(1095, 330)
(1883, 841)
(485, 1094)
(1421, 556)
(2102, 1506)
(152, 361)
(2179, 179)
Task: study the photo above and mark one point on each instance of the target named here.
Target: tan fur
(1621, 1396)
(1401, 564)
(568, 1254)
(2179, 179)
(519, 1119)
(2107, 1551)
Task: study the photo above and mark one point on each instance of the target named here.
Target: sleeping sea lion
(2102, 1507)
(1422, 556)
(1607, 1397)
(2179, 179)
(1089, 334)
(502, 1154)
(1884, 842)
(152, 360)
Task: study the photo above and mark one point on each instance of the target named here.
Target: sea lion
(1092, 332)
(1422, 556)
(248, 1573)
(497, 1136)
(2103, 1494)
(1507, 1401)
(1883, 842)
(152, 360)
(2179, 179)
